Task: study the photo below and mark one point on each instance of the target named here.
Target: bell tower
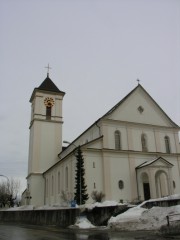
(45, 141)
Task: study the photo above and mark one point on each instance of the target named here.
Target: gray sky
(97, 49)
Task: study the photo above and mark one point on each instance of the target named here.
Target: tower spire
(48, 67)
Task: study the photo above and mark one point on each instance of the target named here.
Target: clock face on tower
(49, 102)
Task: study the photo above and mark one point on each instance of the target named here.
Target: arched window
(66, 177)
(121, 184)
(59, 182)
(144, 142)
(167, 144)
(117, 136)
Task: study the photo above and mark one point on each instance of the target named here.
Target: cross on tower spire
(138, 81)
(48, 67)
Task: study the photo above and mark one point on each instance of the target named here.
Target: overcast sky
(97, 49)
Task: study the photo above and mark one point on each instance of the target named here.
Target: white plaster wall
(55, 196)
(36, 188)
(119, 170)
(170, 134)
(93, 174)
(86, 137)
(175, 172)
(136, 133)
(109, 135)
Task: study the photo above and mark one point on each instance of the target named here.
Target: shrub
(97, 196)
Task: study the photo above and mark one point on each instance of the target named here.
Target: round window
(121, 184)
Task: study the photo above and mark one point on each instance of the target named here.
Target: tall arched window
(47, 187)
(144, 142)
(52, 186)
(117, 136)
(66, 177)
(59, 182)
(167, 144)
(48, 112)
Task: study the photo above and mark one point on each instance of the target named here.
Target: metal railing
(172, 218)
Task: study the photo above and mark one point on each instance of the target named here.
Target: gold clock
(49, 102)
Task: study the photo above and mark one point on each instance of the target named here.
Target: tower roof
(48, 86)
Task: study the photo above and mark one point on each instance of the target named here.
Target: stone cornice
(135, 124)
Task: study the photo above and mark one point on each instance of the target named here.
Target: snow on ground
(139, 218)
(103, 204)
(83, 223)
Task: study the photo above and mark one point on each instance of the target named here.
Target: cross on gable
(138, 81)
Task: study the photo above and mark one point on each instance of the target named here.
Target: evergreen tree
(80, 188)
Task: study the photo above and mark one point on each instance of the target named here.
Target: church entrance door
(146, 188)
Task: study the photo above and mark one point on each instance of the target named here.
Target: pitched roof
(148, 163)
(47, 85)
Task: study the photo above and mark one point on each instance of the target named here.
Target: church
(131, 153)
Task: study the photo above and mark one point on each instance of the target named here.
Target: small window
(94, 185)
(121, 184)
(117, 136)
(167, 144)
(93, 164)
(140, 109)
(174, 184)
(144, 142)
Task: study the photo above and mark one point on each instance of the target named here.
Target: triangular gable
(155, 163)
(139, 107)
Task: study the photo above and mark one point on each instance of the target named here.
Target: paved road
(15, 232)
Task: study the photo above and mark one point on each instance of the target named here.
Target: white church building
(131, 153)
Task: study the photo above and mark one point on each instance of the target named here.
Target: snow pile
(171, 197)
(138, 218)
(83, 223)
(102, 204)
(22, 208)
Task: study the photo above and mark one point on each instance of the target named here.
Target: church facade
(131, 153)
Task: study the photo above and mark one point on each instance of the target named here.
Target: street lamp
(1, 175)
(67, 142)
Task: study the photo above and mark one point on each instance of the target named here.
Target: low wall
(161, 203)
(59, 217)
(99, 216)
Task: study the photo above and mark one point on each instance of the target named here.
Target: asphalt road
(26, 232)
